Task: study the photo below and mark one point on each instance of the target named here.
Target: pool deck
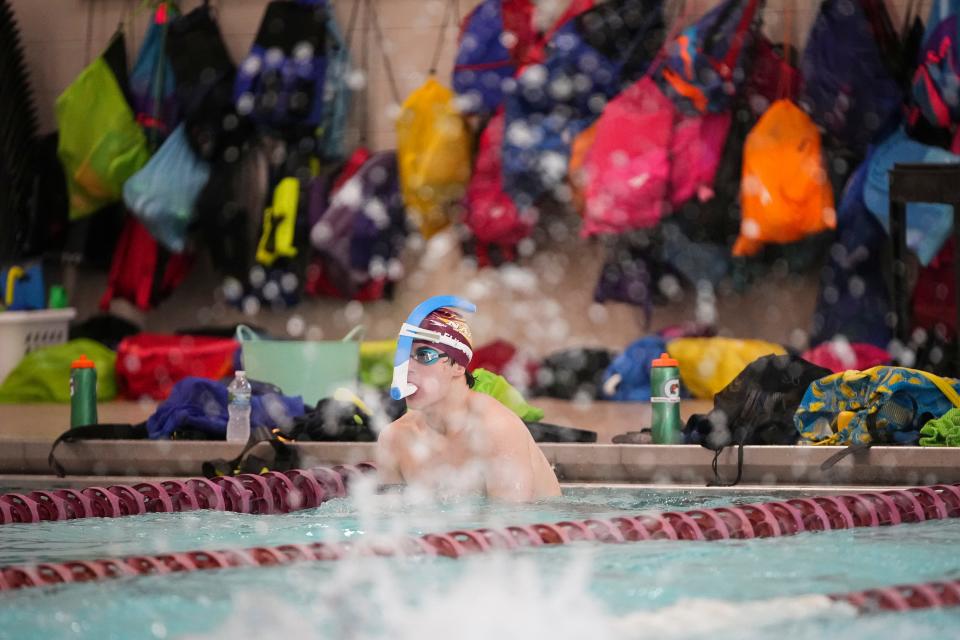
(26, 432)
(46, 421)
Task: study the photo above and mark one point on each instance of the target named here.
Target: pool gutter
(680, 465)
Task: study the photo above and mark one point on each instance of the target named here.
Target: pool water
(659, 589)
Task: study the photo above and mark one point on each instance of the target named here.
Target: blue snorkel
(411, 331)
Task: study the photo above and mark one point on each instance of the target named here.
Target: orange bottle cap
(665, 361)
(83, 362)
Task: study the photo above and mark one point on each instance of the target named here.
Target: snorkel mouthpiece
(410, 331)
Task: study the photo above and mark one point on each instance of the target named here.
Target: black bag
(546, 432)
(94, 432)
(333, 420)
(282, 457)
(205, 75)
(566, 373)
(756, 408)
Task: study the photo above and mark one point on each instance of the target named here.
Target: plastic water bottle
(238, 408)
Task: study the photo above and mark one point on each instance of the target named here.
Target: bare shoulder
(396, 431)
(496, 418)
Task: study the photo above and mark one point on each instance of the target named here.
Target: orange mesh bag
(784, 191)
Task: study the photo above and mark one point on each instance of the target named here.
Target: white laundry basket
(24, 331)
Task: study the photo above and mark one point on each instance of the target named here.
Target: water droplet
(353, 312)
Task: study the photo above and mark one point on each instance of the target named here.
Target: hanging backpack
(713, 224)
(497, 222)
(628, 167)
(493, 38)
(934, 301)
(100, 143)
(579, 79)
(853, 300)
(143, 272)
(936, 82)
(319, 281)
(204, 74)
(362, 232)
(279, 273)
(771, 74)
(280, 223)
(152, 83)
(433, 147)
(695, 149)
(847, 88)
(164, 192)
(702, 68)
(281, 81)
(631, 272)
(433, 155)
(336, 95)
(491, 215)
(785, 194)
(497, 39)
(629, 33)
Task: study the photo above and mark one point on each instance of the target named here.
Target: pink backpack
(627, 169)
(695, 155)
(645, 154)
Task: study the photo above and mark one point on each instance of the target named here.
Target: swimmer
(452, 440)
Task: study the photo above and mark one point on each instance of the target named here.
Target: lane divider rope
(267, 493)
(758, 520)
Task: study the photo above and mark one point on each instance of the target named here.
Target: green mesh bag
(101, 144)
(498, 388)
(44, 375)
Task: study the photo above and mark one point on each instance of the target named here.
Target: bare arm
(509, 475)
(388, 465)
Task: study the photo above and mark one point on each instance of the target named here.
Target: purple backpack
(847, 88)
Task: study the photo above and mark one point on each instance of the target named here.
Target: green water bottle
(83, 392)
(665, 398)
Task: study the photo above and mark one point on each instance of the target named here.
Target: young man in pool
(453, 440)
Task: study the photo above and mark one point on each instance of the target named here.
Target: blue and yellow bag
(882, 405)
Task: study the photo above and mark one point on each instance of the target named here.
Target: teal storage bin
(311, 369)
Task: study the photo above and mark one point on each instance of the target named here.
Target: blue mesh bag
(153, 86)
(162, 194)
(336, 95)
